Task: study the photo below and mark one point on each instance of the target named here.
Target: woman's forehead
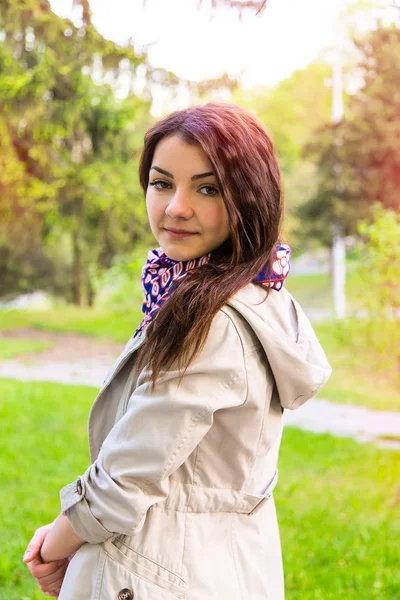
(178, 157)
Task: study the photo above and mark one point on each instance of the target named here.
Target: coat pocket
(126, 579)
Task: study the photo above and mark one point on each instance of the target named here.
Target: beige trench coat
(177, 503)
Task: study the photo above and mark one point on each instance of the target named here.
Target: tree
(358, 160)
(67, 148)
(378, 268)
(377, 286)
(291, 112)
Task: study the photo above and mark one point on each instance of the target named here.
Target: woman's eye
(210, 190)
(159, 184)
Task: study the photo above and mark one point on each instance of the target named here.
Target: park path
(320, 416)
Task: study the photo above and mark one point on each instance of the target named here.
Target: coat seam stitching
(192, 484)
(183, 545)
(312, 393)
(100, 576)
(257, 446)
(206, 409)
(189, 429)
(154, 562)
(141, 577)
(161, 474)
(207, 487)
(233, 541)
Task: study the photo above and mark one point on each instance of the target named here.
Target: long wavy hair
(249, 179)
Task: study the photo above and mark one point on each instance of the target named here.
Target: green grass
(339, 521)
(311, 291)
(314, 290)
(361, 375)
(11, 348)
(117, 326)
(43, 447)
(339, 525)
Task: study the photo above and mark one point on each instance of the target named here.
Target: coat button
(125, 594)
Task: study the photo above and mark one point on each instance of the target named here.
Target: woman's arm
(157, 433)
(61, 541)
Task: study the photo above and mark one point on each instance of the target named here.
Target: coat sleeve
(158, 431)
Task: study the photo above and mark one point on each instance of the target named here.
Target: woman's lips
(175, 234)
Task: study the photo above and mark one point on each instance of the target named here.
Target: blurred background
(80, 83)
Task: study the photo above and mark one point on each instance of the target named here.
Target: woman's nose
(179, 206)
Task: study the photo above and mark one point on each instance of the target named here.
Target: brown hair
(248, 176)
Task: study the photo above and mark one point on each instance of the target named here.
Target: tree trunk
(90, 291)
(77, 270)
(338, 271)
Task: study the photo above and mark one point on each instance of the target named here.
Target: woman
(185, 431)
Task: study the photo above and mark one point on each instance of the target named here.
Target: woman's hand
(49, 576)
(61, 541)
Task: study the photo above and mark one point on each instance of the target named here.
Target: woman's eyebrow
(162, 171)
(199, 176)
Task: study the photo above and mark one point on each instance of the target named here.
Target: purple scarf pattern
(160, 271)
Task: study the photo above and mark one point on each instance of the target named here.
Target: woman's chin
(176, 249)
(180, 254)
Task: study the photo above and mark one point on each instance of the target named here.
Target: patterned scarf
(160, 272)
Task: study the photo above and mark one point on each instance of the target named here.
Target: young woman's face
(183, 196)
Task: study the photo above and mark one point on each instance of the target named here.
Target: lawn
(339, 524)
(87, 321)
(361, 375)
(339, 519)
(314, 290)
(10, 348)
(310, 290)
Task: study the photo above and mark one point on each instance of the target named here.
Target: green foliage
(362, 351)
(119, 288)
(68, 151)
(71, 131)
(358, 159)
(377, 287)
(291, 112)
(338, 523)
(364, 371)
(377, 274)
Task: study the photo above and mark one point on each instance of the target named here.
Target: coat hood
(297, 359)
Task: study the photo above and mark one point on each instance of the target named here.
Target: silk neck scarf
(160, 272)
